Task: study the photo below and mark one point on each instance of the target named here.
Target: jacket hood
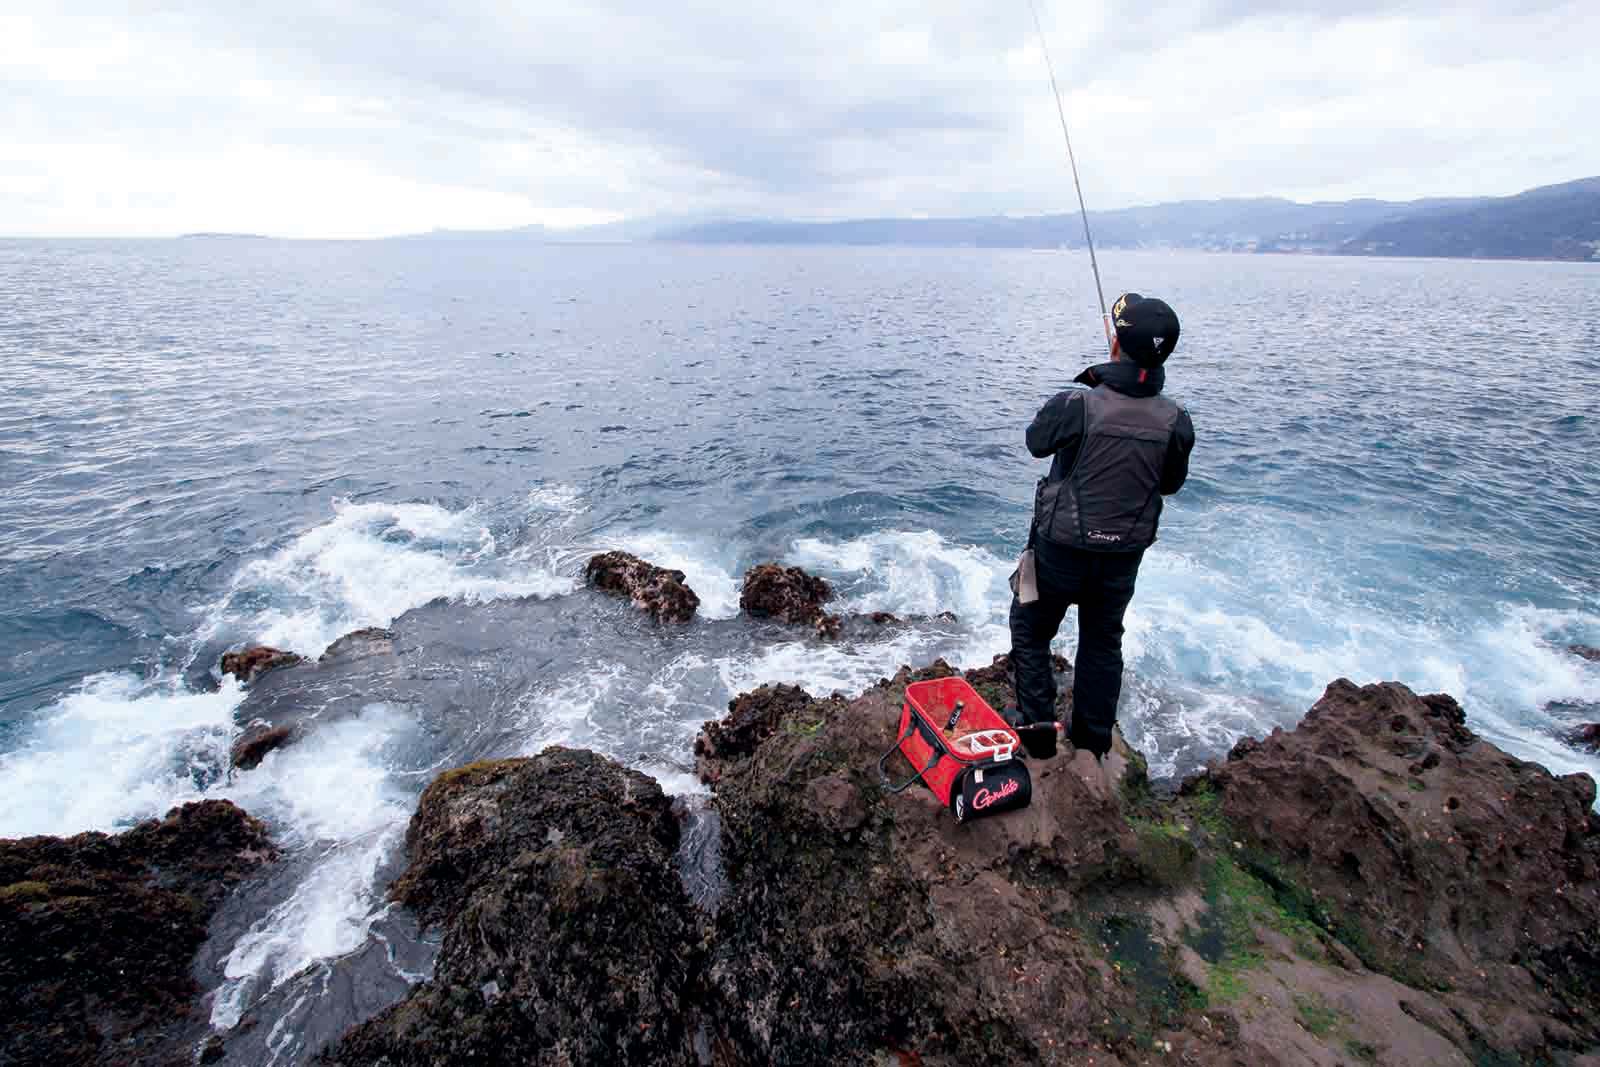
(1126, 377)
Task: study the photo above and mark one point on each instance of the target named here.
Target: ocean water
(210, 443)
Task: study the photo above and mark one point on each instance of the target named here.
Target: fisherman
(1119, 446)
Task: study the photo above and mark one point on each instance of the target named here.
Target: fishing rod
(1072, 160)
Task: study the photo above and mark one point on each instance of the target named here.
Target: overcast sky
(309, 118)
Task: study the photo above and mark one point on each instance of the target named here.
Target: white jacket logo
(1100, 535)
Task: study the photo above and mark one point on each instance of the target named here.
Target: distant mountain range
(1551, 222)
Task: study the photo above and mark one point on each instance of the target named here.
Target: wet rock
(370, 641)
(829, 627)
(1586, 651)
(567, 935)
(252, 663)
(659, 591)
(787, 594)
(1585, 736)
(250, 747)
(98, 934)
(1446, 862)
(751, 719)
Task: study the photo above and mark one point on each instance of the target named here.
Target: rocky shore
(1376, 886)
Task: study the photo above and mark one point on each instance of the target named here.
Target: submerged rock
(252, 663)
(1586, 651)
(98, 934)
(661, 592)
(369, 641)
(258, 739)
(568, 938)
(787, 594)
(1585, 736)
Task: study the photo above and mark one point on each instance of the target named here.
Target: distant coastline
(1548, 223)
(223, 237)
(1558, 222)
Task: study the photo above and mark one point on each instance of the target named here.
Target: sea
(206, 444)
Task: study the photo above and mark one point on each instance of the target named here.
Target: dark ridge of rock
(659, 591)
(1585, 736)
(98, 934)
(252, 663)
(829, 627)
(1444, 860)
(1587, 652)
(787, 594)
(751, 719)
(259, 738)
(568, 938)
(369, 641)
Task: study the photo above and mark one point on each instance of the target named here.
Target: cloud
(380, 118)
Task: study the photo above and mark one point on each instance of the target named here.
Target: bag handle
(916, 776)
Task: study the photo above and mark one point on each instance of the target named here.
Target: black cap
(1147, 329)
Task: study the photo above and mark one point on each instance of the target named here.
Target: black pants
(1101, 584)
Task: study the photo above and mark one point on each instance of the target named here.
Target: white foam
(824, 667)
(565, 500)
(368, 565)
(563, 712)
(118, 750)
(912, 573)
(333, 797)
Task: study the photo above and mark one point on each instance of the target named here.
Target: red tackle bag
(972, 771)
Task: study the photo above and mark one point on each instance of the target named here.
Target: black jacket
(1106, 498)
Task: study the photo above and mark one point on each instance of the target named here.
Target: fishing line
(1061, 111)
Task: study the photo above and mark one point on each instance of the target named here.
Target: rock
(829, 627)
(370, 641)
(751, 719)
(1587, 652)
(656, 590)
(858, 924)
(251, 746)
(1447, 862)
(787, 594)
(1585, 736)
(252, 663)
(1103, 921)
(98, 934)
(567, 936)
